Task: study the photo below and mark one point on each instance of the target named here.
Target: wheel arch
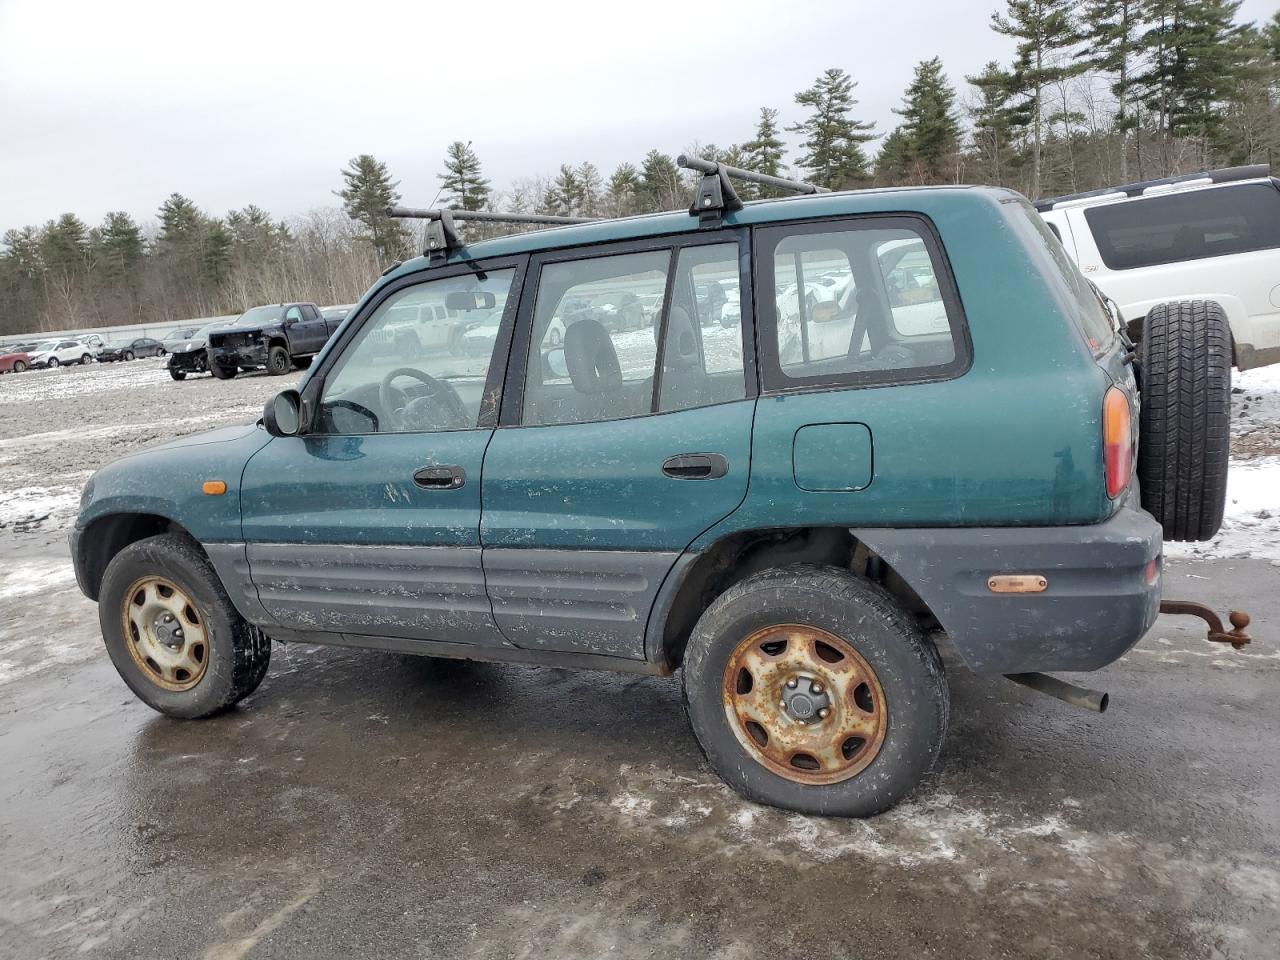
(699, 578)
(107, 535)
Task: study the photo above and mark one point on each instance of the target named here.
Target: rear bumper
(1097, 605)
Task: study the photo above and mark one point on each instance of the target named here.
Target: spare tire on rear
(1185, 419)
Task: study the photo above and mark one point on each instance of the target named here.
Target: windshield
(46, 345)
(258, 316)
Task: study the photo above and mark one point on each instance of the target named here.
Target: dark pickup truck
(277, 337)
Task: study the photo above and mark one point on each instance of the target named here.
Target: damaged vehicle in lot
(279, 337)
(191, 355)
(788, 519)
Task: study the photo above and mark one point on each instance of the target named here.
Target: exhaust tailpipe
(1095, 700)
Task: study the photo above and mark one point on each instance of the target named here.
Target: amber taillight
(1117, 440)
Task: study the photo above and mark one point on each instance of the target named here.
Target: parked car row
(48, 354)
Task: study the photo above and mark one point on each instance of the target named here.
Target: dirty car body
(607, 502)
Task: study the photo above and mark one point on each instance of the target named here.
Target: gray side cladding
(421, 593)
(588, 601)
(1097, 605)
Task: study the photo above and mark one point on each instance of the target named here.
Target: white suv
(54, 353)
(1204, 236)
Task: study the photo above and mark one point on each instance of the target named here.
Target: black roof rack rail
(715, 195)
(1254, 171)
(442, 236)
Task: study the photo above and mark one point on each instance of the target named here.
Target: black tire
(53, 362)
(85, 359)
(1185, 417)
(237, 655)
(222, 372)
(277, 361)
(128, 355)
(863, 615)
(177, 374)
(19, 366)
(301, 363)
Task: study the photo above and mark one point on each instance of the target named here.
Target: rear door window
(1187, 226)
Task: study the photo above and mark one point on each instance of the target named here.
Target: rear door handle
(696, 466)
(440, 478)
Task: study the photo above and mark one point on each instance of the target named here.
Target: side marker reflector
(214, 488)
(1017, 583)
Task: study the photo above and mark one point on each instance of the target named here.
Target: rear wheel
(1185, 417)
(811, 689)
(277, 361)
(173, 633)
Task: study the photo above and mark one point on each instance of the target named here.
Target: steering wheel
(439, 409)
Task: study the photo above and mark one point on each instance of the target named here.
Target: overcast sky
(115, 104)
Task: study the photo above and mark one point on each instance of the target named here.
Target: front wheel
(172, 632)
(53, 362)
(19, 366)
(277, 361)
(128, 354)
(221, 371)
(177, 374)
(85, 359)
(811, 689)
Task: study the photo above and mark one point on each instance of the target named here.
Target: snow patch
(30, 580)
(1251, 523)
(31, 506)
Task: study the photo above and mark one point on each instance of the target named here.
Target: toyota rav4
(925, 421)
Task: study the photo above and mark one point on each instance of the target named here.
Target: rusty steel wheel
(164, 633)
(804, 703)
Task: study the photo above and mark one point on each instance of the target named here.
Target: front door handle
(696, 466)
(440, 478)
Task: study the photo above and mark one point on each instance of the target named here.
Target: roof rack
(442, 236)
(1225, 175)
(714, 198)
(715, 195)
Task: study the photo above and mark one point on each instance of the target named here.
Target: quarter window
(857, 303)
(420, 363)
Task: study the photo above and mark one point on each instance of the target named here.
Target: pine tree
(833, 140)
(894, 160)
(765, 153)
(180, 221)
(1111, 30)
(994, 121)
(1044, 31)
(564, 197)
(660, 187)
(462, 183)
(930, 129)
(369, 190)
(621, 190)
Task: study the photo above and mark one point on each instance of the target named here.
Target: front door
(369, 525)
(631, 437)
(307, 330)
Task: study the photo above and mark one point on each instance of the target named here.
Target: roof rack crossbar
(442, 236)
(709, 167)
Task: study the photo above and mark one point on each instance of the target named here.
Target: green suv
(921, 420)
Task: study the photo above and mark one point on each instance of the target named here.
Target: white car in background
(59, 353)
(1204, 236)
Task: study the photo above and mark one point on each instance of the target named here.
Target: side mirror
(557, 366)
(282, 415)
(466, 300)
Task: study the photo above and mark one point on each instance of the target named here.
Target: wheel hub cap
(804, 703)
(164, 633)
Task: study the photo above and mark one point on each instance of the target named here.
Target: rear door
(369, 524)
(306, 329)
(618, 448)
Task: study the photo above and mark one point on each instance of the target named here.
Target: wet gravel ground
(364, 804)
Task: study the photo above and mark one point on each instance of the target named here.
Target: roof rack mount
(442, 236)
(715, 195)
